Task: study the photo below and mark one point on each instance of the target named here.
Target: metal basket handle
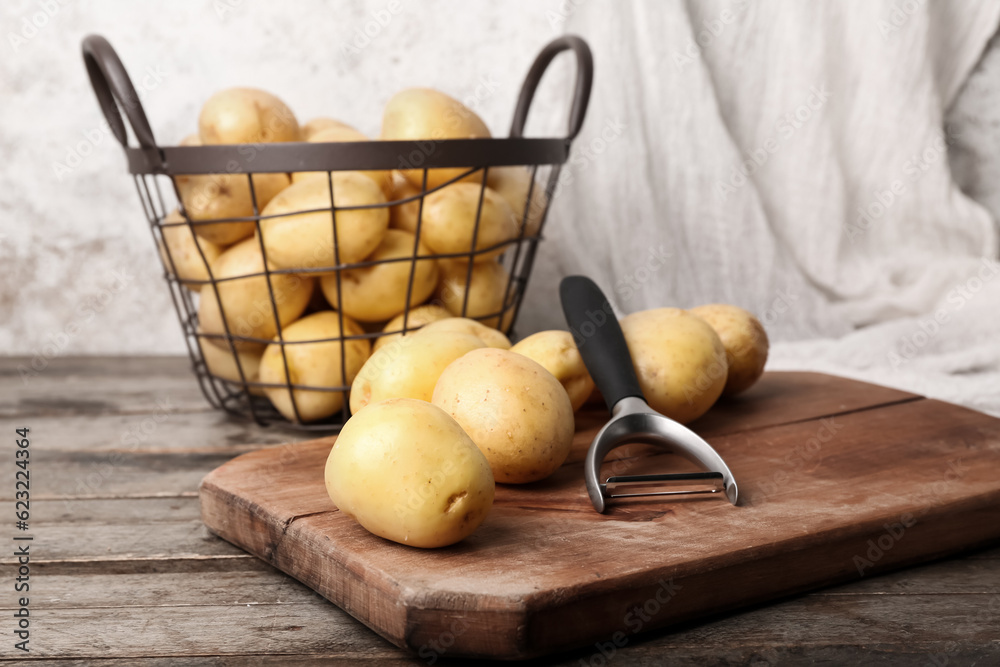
(114, 89)
(581, 92)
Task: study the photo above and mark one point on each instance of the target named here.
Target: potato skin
(246, 301)
(490, 336)
(378, 292)
(513, 184)
(515, 411)
(423, 113)
(223, 196)
(409, 367)
(313, 364)
(340, 133)
(404, 216)
(406, 471)
(246, 116)
(419, 316)
(449, 221)
(487, 290)
(556, 351)
(679, 361)
(305, 240)
(184, 259)
(745, 341)
(222, 364)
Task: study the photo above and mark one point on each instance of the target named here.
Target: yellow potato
(490, 336)
(318, 125)
(408, 367)
(222, 364)
(341, 133)
(487, 290)
(224, 196)
(556, 351)
(314, 365)
(679, 360)
(515, 411)
(246, 301)
(418, 317)
(305, 240)
(404, 216)
(184, 259)
(376, 293)
(422, 113)
(513, 183)
(405, 471)
(449, 221)
(191, 140)
(246, 116)
(745, 341)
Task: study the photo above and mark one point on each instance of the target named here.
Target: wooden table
(123, 572)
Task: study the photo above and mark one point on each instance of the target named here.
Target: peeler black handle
(599, 338)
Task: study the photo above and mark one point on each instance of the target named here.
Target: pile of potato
(298, 244)
(441, 415)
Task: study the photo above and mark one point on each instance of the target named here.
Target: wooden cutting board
(838, 480)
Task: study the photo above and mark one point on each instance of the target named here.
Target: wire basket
(222, 359)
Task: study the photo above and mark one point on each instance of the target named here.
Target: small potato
(342, 133)
(224, 196)
(418, 317)
(318, 125)
(305, 240)
(487, 291)
(515, 411)
(376, 293)
(513, 184)
(422, 113)
(449, 221)
(246, 301)
(490, 336)
(314, 365)
(246, 116)
(222, 364)
(556, 351)
(404, 216)
(405, 471)
(408, 367)
(679, 360)
(191, 140)
(745, 341)
(180, 252)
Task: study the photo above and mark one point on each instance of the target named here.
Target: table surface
(124, 572)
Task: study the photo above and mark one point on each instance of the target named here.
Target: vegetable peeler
(605, 353)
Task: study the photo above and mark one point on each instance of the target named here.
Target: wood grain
(546, 573)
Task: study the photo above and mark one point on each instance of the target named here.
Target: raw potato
(246, 301)
(305, 240)
(404, 216)
(679, 360)
(318, 125)
(314, 365)
(556, 351)
(745, 341)
(449, 221)
(405, 471)
(422, 113)
(184, 259)
(513, 183)
(340, 133)
(376, 293)
(488, 286)
(409, 367)
(419, 316)
(191, 140)
(515, 411)
(224, 196)
(221, 363)
(246, 116)
(490, 336)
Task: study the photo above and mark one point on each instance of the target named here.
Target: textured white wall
(80, 274)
